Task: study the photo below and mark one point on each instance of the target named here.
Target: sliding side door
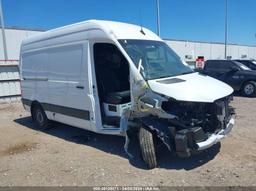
(69, 96)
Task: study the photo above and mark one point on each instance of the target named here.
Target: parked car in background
(249, 63)
(234, 73)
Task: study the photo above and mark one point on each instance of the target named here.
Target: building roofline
(207, 42)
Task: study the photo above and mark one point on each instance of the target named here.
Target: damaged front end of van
(186, 111)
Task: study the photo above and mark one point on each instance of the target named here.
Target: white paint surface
(195, 88)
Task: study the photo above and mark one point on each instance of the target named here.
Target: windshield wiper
(190, 72)
(167, 76)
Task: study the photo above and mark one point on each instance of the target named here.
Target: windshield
(154, 59)
(242, 66)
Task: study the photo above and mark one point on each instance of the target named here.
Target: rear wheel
(147, 147)
(249, 89)
(39, 117)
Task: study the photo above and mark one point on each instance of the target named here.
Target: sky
(198, 20)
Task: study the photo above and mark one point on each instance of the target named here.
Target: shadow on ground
(114, 145)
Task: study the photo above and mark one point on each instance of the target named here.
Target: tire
(147, 147)
(249, 89)
(39, 117)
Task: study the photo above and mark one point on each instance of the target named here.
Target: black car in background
(249, 63)
(238, 76)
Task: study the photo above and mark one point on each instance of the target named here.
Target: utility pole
(3, 31)
(158, 17)
(226, 27)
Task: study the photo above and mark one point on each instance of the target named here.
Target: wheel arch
(242, 90)
(157, 128)
(246, 81)
(33, 104)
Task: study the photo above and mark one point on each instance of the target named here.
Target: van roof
(119, 30)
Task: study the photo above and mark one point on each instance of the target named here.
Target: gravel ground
(65, 155)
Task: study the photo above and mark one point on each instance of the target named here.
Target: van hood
(193, 87)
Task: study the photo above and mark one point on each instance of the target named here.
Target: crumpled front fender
(161, 129)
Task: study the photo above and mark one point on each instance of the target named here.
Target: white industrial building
(14, 37)
(9, 70)
(189, 51)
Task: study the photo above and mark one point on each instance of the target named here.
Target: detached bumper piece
(213, 139)
(194, 139)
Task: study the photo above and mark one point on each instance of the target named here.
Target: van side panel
(64, 73)
(67, 93)
(66, 89)
(35, 86)
(57, 77)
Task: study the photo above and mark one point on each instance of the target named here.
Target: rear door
(231, 76)
(223, 71)
(213, 68)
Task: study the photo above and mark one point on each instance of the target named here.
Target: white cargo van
(110, 77)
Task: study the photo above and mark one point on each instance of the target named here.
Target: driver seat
(111, 86)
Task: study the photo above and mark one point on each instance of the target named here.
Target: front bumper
(215, 138)
(194, 139)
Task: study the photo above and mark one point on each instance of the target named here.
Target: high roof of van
(119, 30)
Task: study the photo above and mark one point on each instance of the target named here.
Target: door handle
(80, 87)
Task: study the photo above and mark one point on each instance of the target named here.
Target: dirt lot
(66, 155)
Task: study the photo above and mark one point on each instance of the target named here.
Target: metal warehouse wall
(189, 50)
(9, 81)
(14, 38)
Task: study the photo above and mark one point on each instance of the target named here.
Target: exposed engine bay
(210, 116)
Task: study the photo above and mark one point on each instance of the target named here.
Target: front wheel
(147, 147)
(39, 117)
(249, 89)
